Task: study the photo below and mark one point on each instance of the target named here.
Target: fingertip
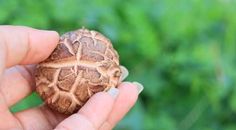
(49, 37)
(139, 86)
(51, 34)
(42, 43)
(99, 99)
(128, 93)
(130, 86)
(98, 108)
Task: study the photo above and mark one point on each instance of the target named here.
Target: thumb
(24, 45)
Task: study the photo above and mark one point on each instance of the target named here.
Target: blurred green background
(182, 51)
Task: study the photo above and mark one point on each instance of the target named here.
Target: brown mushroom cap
(83, 63)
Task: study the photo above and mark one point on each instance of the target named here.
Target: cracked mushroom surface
(83, 63)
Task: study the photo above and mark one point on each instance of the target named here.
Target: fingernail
(124, 73)
(139, 86)
(114, 92)
(49, 32)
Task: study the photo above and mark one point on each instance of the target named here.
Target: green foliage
(183, 51)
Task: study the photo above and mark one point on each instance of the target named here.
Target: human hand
(20, 48)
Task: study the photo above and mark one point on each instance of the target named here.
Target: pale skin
(21, 48)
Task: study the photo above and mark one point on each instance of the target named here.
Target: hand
(20, 48)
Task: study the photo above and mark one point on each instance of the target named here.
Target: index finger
(24, 45)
